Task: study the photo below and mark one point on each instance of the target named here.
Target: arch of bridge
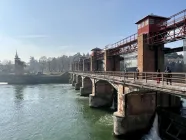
(111, 83)
(107, 85)
(79, 77)
(87, 79)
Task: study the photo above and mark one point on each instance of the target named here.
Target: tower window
(142, 24)
(151, 21)
(139, 26)
(146, 22)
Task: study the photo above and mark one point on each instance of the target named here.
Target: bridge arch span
(78, 82)
(87, 80)
(86, 88)
(79, 78)
(105, 94)
(108, 83)
(74, 77)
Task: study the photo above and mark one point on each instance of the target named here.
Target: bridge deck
(145, 80)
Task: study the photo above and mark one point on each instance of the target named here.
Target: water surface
(50, 112)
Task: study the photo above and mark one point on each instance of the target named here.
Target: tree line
(63, 63)
(44, 64)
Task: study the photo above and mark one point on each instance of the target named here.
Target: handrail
(172, 17)
(177, 79)
(124, 41)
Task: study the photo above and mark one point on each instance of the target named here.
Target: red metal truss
(124, 50)
(124, 46)
(171, 30)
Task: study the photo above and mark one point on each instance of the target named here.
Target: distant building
(19, 65)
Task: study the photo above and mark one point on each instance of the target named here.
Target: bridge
(134, 95)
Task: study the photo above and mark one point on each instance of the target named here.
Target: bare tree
(43, 63)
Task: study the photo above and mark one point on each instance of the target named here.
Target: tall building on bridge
(19, 65)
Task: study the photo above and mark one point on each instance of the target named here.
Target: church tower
(17, 59)
(19, 65)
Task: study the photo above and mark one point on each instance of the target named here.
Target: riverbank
(35, 79)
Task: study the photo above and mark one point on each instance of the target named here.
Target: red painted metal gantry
(172, 29)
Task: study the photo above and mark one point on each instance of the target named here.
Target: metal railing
(124, 41)
(177, 79)
(174, 18)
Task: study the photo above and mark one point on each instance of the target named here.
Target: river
(53, 112)
(50, 112)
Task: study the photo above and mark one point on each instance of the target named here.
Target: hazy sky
(57, 27)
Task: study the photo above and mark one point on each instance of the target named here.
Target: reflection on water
(19, 92)
(19, 96)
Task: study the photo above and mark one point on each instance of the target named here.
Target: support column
(112, 63)
(92, 63)
(135, 112)
(117, 63)
(150, 58)
(71, 79)
(76, 68)
(74, 80)
(78, 82)
(107, 62)
(86, 88)
(101, 95)
(86, 64)
(120, 114)
(83, 64)
(78, 63)
(160, 58)
(184, 54)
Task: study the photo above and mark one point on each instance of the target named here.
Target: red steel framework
(171, 30)
(126, 45)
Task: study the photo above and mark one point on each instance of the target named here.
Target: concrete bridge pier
(111, 63)
(86, 88)
(70, 81)
(135, 111)
(78, 83)
(73, 80)
(102, 94)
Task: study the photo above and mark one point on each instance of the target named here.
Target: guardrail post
(134, 76)
(162, 78)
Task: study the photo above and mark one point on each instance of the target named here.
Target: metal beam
(171, 50)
